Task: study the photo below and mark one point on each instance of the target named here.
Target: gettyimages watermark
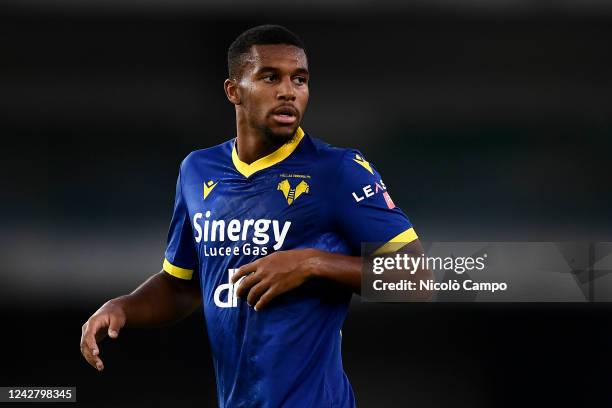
(490, 272)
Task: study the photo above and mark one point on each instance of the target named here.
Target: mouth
(285, 115)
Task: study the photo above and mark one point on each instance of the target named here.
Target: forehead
(277, 56)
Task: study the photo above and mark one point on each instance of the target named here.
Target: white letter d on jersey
(232, 300)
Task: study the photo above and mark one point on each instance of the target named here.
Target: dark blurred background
(489, 121)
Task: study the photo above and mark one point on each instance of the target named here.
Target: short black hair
(260, 35)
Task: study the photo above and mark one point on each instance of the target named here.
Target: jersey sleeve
(180, 257)
(364, 211)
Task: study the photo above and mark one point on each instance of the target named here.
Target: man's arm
(277, 273)
(161, 300)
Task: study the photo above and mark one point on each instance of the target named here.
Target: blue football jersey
(306, 194)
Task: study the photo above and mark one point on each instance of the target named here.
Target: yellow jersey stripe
(177, 272)
(397, 242)
(267, 161)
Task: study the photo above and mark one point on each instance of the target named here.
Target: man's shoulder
(338, 157)
(210, 155)
(326, 151)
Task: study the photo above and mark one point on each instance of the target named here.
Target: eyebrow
(297, 71)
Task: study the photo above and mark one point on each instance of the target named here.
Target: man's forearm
(343, 269)
(161, 300)
(347, 270)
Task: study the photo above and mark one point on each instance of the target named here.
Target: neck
(252, 144)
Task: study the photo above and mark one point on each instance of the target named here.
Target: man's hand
(109, 319)
(272, 275)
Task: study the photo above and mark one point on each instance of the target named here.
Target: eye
(269, 78)
(300, 80)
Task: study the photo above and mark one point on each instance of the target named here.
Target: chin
(282, 134)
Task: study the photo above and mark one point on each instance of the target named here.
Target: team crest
(208, 187)
(292, 194)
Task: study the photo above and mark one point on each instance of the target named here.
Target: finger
(90, 351)
(256, 292)
(91, 335)
(115, 325)
(100, 330)
(94, 361)
(270, 294)
(246, 284)
(244, 270)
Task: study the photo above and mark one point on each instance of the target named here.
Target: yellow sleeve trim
(177, 272)
(397, 242)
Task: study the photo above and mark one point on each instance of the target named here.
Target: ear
(232, 91)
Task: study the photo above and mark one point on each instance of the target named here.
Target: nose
(285, 90)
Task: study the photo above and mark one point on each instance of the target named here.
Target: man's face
(274, 89)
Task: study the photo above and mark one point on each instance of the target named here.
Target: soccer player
(266, 233)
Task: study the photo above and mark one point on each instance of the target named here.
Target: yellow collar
(273, 158)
